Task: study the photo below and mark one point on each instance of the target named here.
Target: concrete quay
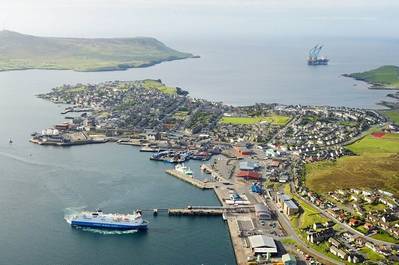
(196, 212)
(189, 179)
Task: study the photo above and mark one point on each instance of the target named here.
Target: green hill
(19, 51)
(384, 77)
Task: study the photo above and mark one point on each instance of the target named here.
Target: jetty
(189, 179)
(196, 211)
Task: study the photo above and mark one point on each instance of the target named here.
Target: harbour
(42, 183)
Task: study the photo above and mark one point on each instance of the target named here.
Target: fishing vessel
(98, 219)
(183, 169)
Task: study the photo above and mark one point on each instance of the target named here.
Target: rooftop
(262, 243)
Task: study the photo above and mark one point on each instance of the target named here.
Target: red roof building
(249, 174)
(242, 151)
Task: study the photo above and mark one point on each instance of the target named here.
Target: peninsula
(20, 52)
(384, 77)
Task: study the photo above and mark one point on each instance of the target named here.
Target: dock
(208, 169)
(196, 211)
(189, 179)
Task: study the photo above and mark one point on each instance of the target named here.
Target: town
(255, 157)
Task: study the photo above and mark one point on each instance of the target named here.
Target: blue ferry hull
(109, 226)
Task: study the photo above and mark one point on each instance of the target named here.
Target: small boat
(183, 169)
(10, 141)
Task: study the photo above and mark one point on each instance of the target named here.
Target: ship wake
(107, 232)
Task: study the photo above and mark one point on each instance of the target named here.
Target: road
(285, 223)
(343, 225)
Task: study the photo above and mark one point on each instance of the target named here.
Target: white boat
(183, 169)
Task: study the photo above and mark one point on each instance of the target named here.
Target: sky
(201, 18)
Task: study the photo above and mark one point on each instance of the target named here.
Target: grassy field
(19, 51)
(274, 119)
(377, 207)
(389, 143)
(384, 236)
(385, 76)
(393, 115)
(371, 255)
(376, 166)
(155, 84)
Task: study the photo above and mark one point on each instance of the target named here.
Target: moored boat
(184, 169)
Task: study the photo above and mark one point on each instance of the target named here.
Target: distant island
(384, 77)
(19, 52)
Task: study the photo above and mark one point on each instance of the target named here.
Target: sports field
(273, 119)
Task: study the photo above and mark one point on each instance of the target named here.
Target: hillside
(19, 51)
(376, 165)
(384, 77)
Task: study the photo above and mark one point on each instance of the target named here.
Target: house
(370, 199)
(275, 163)
(317, 226)
(317, 237)
(339, 252)
(368, 226)
(261, 244)
(354, 222)
(355, 258)
(334, 242)
(371, 246)
(283, 178)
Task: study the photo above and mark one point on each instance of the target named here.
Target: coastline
(103, 69)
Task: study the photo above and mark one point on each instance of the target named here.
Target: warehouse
(262, 212)
(261, 244)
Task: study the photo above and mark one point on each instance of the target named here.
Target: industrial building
(261, 244)
(287, 204)
(248, 165)
(249, 174)
(290, 208)
(262, 212)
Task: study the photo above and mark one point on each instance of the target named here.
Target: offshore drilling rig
(314, 58)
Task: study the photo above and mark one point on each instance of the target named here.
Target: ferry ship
(98, 219)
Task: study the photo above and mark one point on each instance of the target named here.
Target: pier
(201, 210)
(196, 211)
(189, 179)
